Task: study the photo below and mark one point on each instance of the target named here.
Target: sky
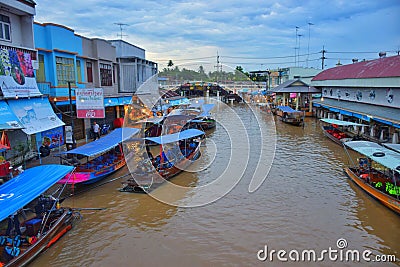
(257, 35)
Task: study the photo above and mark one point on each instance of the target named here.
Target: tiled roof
(378, 68)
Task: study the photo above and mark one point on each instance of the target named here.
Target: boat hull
(90, 176)
(390, 202)
(146, 183)
(63, 224)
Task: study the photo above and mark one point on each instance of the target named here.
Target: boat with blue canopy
(377, 172)
(103, 157)
(290, 116)
(336, 130)
(204, 121)
(177, 152)
(43, 225)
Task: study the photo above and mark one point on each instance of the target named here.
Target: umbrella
(4, 142)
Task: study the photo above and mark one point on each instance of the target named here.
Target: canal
(305, 203)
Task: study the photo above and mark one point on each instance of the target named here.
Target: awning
(111, 101)
(19, 191)
(342, 123)
(126, 100)
(367, 112)
(105, 143)
(35, 114)
(395, 147)
(386, 157)
(171, 138)
(8, 120)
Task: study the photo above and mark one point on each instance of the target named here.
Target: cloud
(258, 31)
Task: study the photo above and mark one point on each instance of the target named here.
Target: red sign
(91, 113)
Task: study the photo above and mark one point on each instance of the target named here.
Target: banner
(35, 114)
(90, 103)
(16, 74)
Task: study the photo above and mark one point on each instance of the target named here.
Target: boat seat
(12, 251)
(16, 241)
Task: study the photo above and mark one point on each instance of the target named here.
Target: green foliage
(201, 75)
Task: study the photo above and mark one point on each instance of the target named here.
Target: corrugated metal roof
(378, 68)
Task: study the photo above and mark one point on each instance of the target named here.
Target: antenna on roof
(120, 28)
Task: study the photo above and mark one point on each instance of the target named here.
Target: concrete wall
(21, 30)
(125, 49)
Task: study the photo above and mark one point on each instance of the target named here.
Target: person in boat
(13, 225)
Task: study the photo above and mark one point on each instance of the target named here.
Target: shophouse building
(24, 109)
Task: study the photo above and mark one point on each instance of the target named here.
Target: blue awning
(390, 159)
(344, 112)
(171, 138)
(8, 120)
(105, 143)
(21, 190)
(111, 101)
(35, 114)
(63, 103)
(126, 100)
(206, 108)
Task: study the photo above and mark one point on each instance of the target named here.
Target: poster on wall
(90, 103)
(16, 74)
(53, 137)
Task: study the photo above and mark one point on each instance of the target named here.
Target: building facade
(25, 110)
(368, 92)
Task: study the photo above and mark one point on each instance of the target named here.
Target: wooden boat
(204, 121)
(290, 116)
(378, 174)
(183, 149)
(22, 242)
(334, 130)
(103, 157)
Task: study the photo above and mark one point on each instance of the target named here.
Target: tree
(170, 63)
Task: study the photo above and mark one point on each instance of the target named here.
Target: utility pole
(308, 46)
(323, 56)
(295, 48)
(298, 54)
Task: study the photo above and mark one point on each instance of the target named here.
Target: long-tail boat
(334, 130)
(43, 226)
(377, 173)
(177, 152)
(290, 116)
(103, 157)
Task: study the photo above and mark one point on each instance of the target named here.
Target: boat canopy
(105, 143)
(395, 147)
(22, 189)
(342, 123)
(154, 120)
(206, 108)
(175, 137)
(288, 109)
(386, 157)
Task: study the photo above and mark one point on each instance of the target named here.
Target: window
(40, 73)
(79, 70)
(65, 70)
(106, 74)
(5, 28)
(89, 70)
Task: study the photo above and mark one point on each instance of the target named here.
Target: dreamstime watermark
(340, 253)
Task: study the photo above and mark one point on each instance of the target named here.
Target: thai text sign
(16, 74)
(90, 103)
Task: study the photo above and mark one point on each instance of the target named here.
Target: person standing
(96, 131)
